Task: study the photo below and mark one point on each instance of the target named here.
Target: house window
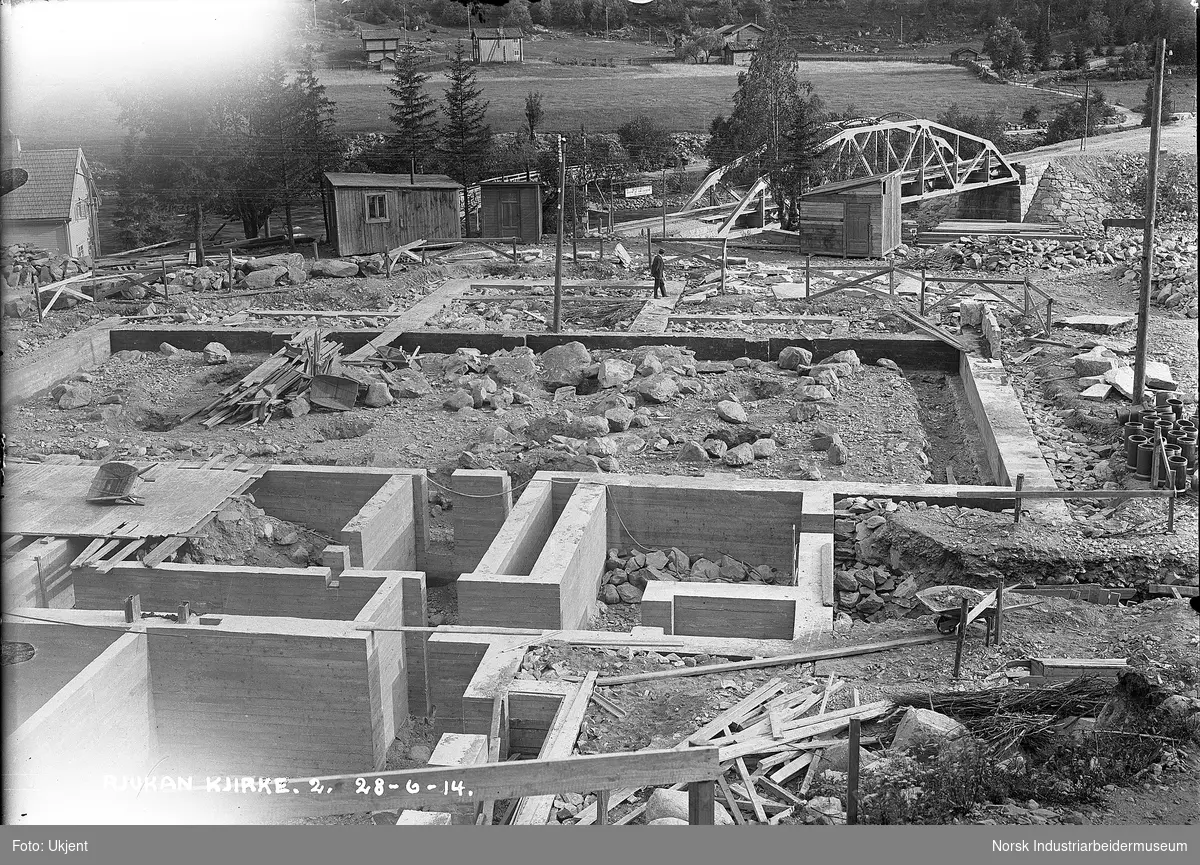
(377, 210)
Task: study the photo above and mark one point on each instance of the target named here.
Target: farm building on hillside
(56, 208)
(497, 47)
(741, 35)
(511, 210)
(380, 44)
(369, 213)
(857, 218)
(962, 55)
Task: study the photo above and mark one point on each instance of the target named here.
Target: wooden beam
(755, 802)
(777, 661)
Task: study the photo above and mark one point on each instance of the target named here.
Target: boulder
(693, 452)
(268, 262)
(828, 378)
(629, 593)
(715, 447)
(297, 275)
(849, 356)
(888, 364)
(705, 571)
(260, 279)
(614, 372)
(215, 353)
(610, 595)
(814, 393)
(764, 448)
(731, 412)
(926, 727)
(565, 365)
(803, 412)
(619, 419)
(334, 267)
(165, 348)
(674, 804)
(377, 395)
(837, 453)
(460, 399)
(649, 366)
(742, 455)
(1098, 361)
(970, 313)
(731, 569)
(410, 384)
(794, 357)
(837, 757)
(296, 407)
(76, 395)
(658, 388)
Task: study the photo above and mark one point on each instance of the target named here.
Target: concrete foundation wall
(58, 360)
(722, 610)
(386, 658)
(38, 576)
(101, 722)
(61, 652)
(382, 535)
(237, 590)
(453, 660)
(482, 501)
(532, 705)
(574, 557)
(265, 697)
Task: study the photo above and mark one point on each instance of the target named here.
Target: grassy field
(1131, 93)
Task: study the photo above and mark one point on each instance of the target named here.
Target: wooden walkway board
(50, 500)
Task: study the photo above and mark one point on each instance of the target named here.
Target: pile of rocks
(626, 575)
(23, 264)
(866, 588)
(1001, 254)
(1174, 269)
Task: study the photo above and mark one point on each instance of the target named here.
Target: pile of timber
(284, 376)
(957, 229)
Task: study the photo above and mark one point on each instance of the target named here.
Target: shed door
(858, 230)
(510, 213)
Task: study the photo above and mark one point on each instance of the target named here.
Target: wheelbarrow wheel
(947, 624)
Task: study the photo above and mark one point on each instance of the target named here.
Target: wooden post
(229, 266)
(1017, 502)
(807, 276)
(1143, 322)
(601, 247)
(514, 250)
(316, 252)
(649, 253)
(724, 261)
(1027, 294)
(892, 281)
(964, 610)
(575, 217)
(701, 804)
(133, 608)
(921, 296)
(558, 246)
(999, 609)
(852, 781)
(166, 291)
(95, 285)
(37, 300)
(601, 807)
(664, 213)
(1171, 515)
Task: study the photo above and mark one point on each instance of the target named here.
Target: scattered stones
(764, 449)
(693, 452)
(565, 364)
(742, 455)
(460, 399)
(815, 393)
(804, 412)
(614, 372)
(838, 453)
(76, 395)
(377, 395)
(715, 448)
(794, 357)
(658, 388)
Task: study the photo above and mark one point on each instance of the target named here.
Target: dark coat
(656, 266)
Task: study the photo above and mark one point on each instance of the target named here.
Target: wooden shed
(497, 47)
(857, 218)
(511, 210)
(371, 212)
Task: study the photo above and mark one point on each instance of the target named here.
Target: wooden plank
(1175, 591)
(755, 803)
(832, 722)
(734, 811)
(737, 712)
(793, 767)
(1069, 494)
(811, 775)
(121, 555)
(159, 554)
(88, 553)
(779, 660)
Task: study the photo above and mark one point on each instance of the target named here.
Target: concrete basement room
(600, 473)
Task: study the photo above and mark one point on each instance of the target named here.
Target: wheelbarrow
(114, 484)
(946, 602)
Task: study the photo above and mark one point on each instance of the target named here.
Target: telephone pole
(558, 244)
(1143, 323)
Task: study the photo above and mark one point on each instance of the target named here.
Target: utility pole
(664, 183)
(1087, 92)
(1143, 323)
(558, 245)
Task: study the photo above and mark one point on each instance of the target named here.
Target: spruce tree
(414, 115)
(466, 137)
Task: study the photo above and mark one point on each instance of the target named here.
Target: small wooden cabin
(511, 210)
(963, 55)
(857, 218)
(369, 213)
(380, 44)
(497, 47)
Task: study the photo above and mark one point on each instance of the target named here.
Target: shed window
(377, 210)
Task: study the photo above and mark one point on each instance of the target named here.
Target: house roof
(49, 192)
(498, 34)
(375, 35)
(845, 185)
(491, 183)
(957, 51)
(731, 29)
(366, 180)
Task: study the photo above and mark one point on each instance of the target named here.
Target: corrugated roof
(367, 180)
(47, 194)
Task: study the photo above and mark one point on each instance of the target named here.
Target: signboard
(638, 191)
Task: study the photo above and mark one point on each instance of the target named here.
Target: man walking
(657, 267)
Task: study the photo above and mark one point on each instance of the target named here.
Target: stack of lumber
(284, 376)
(773, 736)
(952, 230)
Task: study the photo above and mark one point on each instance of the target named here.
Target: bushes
(648, 144)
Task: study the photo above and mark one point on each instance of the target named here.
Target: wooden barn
(497, 47)
(857, 218)
(369, 213)
(379, 45)
(511, 210)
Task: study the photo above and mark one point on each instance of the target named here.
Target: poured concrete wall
(482, 501)
(61, 652)
(236, 590)
(101, 722)
(57, 360)
(37, 575)
(265, 697)
(386, 659)
(573, 558)
(382, 535)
